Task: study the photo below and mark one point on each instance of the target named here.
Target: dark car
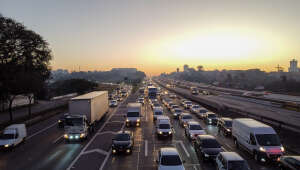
(225, 126)
(122, 142)
(210, 118)
(61, 120)
(289, 162)
(207, 147)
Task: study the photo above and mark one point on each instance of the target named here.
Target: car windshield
(196, 107)
(195, 127)
(156, 105)
(238, 165)
(187, 117)
(122, 137)
(268, 139)
(203, 111)
(164, 126)
(210, 143)
(228, 123)
(133, 114)
(158, 113)
(178, 111)
(7, 136)
(73, 121)
(188, 102)
(175, 106)
(211, 116)
(170, 160)
(113, 101)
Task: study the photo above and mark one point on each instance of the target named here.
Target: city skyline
(158, 36)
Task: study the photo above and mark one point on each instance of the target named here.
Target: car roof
(185, 114)
(226, 119)
(124, 132)
(204, 137)
(210, 113)
(193, 123)
(169, 151)
(231, 156)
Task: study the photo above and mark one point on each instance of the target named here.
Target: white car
(184, 118)
(113, 103)
(13, 135)
(164, 129)
(201, 113)
(195, 108)
(231, 161)
(157, 111)
(187, 104)
(168, 158)
(193, 129)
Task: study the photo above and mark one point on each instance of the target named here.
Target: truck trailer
(84, 112)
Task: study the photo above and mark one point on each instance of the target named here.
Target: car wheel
(236, 143)
(256, 157)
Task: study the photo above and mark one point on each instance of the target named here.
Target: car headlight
(170, 132)
(160, 132)
(127, 120)
(81, 135)
(282, 149)
(66, 136)
(262, 149)
(191, 135)
(7, 145)
(206, 155)
(59, 121)
(138, 120)
(228, 130)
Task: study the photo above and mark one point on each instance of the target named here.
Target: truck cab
(133, 116)
(12, 135)
(76, 127)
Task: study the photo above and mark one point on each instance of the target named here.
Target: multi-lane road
(46, 149)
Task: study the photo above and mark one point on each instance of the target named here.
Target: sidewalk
(37, 108)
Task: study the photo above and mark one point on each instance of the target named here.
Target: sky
(160, 35)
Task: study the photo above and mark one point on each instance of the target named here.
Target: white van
(257, 138)
(134, 113)
(13, 135)
(162, 118)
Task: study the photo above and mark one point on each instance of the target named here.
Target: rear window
(195, 127)
(187, 117)
(196, 107)
(211, 116)
(210, 143)
(170, 160)
(188, 102)
(158, 113)
(203, 111)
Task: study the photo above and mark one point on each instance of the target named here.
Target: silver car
(168, 158)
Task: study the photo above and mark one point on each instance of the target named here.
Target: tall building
(293, 66)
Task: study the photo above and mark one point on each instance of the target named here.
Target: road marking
(36, 133)
(96, 150)
(183, 147)
(146, 148)
(56, 140)
(107, 132)
(195, 167)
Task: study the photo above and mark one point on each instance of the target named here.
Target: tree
(25, 60)
(200, 68)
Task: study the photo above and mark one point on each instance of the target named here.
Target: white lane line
(56, 140)
(183, 147)
(146, 148)
(36, 133)
(96, 150)
(195, 167)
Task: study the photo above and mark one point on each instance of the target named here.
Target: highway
(46, 149)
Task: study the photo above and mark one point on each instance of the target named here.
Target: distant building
(125, 71)
(177, 70)
(293, 66)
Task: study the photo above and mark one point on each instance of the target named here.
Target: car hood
(212, 151)
(122, 143)
(74, 129)
(161, 167)
(186, 120)
(273, 149)
(133, 118)
(6, 141)
(164, 130)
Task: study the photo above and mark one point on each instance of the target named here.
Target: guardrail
(225, 109)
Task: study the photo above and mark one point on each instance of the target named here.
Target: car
(210, 118)
(141, 100)
(173, 107)
(61, 120)
(157, 111)
(193, 129)
(113, 103)
(133, 116)
(187, 104)
(225, 125)
(195, 108)
(184, 118)
(12, 136)
(164, 128)
(168, 158)
(195, 92)
(123, 142)
(177, 112)
(172, 95)
(202, 112)
(231, 161)
(156, 104)
(169, 105)
(182, 101)
(289, 162)
(207, 147)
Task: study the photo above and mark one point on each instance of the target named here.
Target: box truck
(134, 113)
(84, 112)
(12, 136)
(257, 138)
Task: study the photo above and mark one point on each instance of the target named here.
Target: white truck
(84, 112)
(134, 113)
(257, 138)
(13, 135)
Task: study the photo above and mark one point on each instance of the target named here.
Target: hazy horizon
(159, 36)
